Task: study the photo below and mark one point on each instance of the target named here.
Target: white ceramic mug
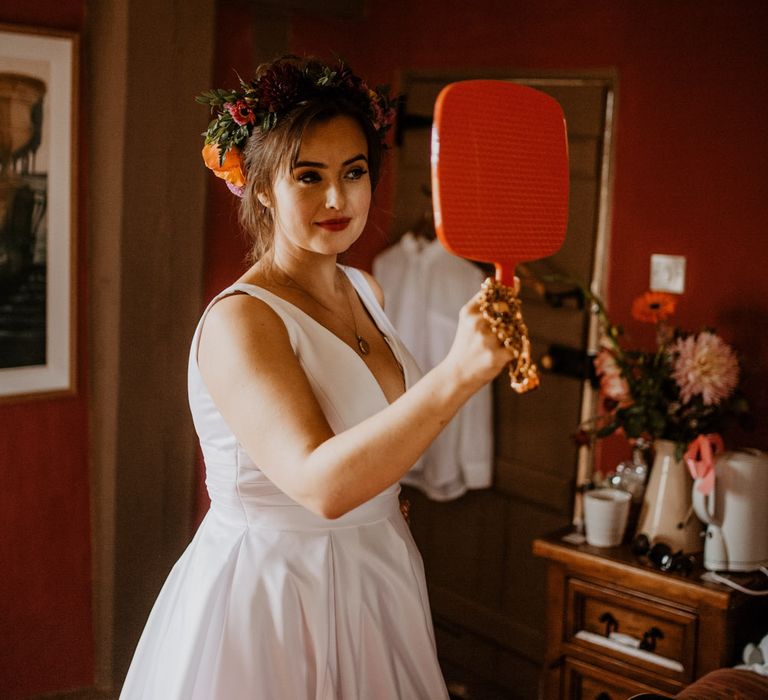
(605, 516)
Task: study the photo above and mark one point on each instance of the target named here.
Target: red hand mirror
(500, 187)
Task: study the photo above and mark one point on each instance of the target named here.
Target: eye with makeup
(307, 177)
(356, 173)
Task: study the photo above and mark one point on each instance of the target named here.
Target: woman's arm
(257, 383)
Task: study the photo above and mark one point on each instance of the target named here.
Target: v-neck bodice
(342, 382)
(369, 301)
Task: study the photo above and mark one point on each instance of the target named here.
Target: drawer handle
(611, 623)
(648, 642)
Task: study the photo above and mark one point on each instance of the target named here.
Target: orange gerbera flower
(231, 170)
(653, 307)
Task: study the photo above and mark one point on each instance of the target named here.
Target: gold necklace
(362, 344)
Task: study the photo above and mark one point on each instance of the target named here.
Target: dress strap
(278, 305)
(366, 293)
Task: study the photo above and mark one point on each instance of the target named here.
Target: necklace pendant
(362, 343)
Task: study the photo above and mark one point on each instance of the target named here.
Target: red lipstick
(334, 224)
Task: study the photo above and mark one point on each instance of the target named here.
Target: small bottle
(632, 474)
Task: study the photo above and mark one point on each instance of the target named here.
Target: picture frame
(38, 211)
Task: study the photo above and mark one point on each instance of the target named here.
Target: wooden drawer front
(586, 682)
(670, 632)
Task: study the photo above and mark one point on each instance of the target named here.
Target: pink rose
(612, 383)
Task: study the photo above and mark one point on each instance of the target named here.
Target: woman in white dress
(303, 581)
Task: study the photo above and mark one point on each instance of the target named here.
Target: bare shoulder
(242, 336)
(375, 286)
(239, 316)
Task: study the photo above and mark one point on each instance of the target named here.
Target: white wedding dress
(272, 602)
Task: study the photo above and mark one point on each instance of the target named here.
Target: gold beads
(501, 308)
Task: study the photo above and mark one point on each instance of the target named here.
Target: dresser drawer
(582, 681)
(644, 632)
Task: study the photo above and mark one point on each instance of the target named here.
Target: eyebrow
(312, 164)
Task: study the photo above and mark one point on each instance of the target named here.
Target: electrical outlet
(668, 273)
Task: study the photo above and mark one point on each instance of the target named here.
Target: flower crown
(262, 102)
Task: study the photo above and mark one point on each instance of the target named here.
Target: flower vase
(667, 512)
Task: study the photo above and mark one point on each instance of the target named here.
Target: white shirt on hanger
(424, 289)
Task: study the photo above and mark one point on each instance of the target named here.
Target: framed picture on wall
(38, 181)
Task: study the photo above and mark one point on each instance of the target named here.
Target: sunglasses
(662, 557)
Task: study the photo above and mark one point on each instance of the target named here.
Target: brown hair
(267, 153)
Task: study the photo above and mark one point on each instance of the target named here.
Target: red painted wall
(46, 636)
(691, 159)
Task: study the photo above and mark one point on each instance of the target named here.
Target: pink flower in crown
(241, 112)
(378, 112)
(389, 116)
(612, 383)
(382, 118)
(704, 365)
(348, 79)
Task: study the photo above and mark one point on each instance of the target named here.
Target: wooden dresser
(686, 626)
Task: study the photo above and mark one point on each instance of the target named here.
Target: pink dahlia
(704, 365)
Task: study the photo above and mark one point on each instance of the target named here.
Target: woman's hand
(476, 355)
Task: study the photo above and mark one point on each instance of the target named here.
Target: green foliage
(279, 88)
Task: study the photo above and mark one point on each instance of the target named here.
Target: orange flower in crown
(653, 307)
(230, 168)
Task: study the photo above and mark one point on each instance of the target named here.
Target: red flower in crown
(241, 113)
(279, 88)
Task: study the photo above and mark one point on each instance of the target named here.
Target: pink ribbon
(700, 458)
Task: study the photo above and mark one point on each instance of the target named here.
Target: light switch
(667, 273)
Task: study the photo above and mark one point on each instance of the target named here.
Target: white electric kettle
(736, 512)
